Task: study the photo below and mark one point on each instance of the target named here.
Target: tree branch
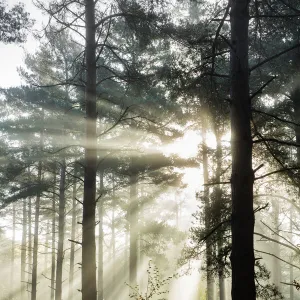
(276, 171)
(295, 249)
(259, 91)
(278, 258)
(273, 57)
(76, 242)
(275, 117)
(275, 16)
(103, 20)
(286, 143)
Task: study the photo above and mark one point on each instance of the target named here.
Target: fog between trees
(152, 151)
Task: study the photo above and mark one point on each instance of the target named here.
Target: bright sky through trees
(12, 55)
(151, 150)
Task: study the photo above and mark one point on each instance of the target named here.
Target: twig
(275, 117)
(259, 91)
(278, 258)
(76, 242)
(273, 57)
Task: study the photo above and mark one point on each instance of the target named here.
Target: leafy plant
(157, 287)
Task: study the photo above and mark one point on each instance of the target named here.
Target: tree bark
(89, 287)
(73, 231)
(13, 245)
(23, 250)
(47, 247)
(36, 239)
(242, 222)
(218, 193)
(113, 237)
(133, 231)
(295, 97)
(29, 245)
(141, 246)
(100, 240)
(291, 269)
(276, 263)
(209, 247)
(53, 249)
(61, 235)
(126, 259)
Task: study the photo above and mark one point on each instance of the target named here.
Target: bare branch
(275, 117)
(295, 249)
(276, 233)
(259, 91)
(277, 258)
(103, 20)
(215, 183)
(276, 171)
(273, 57)
(216, 37)
(76, 242)
(275, 16)
(116, 123)
(281, 142)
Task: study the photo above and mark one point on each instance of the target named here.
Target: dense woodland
(101, 195)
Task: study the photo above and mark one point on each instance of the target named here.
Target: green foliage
(264, 289)
(216, 229)
(13, 23)
(157, 287)
(157, 238)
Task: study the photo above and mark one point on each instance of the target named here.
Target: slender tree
(101, 236)
(34, 277)
(61, 231)
(29, 244)
(133, 228)
(53, 239)
(73, 233)
(206, 198)
(13, 244)
(23, 250)
(89, 288)
(218, 202)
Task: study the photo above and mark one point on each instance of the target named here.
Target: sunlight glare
(185, 147)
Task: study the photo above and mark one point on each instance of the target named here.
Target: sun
(185, 147)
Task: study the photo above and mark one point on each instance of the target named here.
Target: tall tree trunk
(29, 246)
(126, 259)
(219, 200)
(36, 239)
(73, 233)
(23, 250)
(295, 97)
(141, 227)
(133, 230)
(291, 269)
(13, 246)
(100, 239)
(53, 248)
(209, 246)
(89, 287)
(47, 247)
(61, 229)
(276, 272)
(222, 292)
(113, 237)
(242, 222)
